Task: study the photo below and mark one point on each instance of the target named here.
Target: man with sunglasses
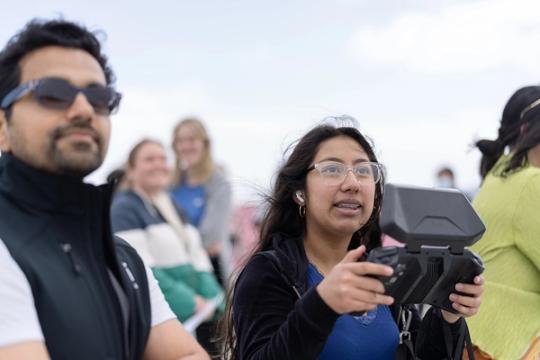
(68, 289)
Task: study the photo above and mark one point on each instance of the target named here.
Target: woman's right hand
(350, 288)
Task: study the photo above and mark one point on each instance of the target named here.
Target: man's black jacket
(57, 229)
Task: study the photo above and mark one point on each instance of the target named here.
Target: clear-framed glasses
(334, 172)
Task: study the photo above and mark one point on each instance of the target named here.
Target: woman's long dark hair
(509, 129)
(282, 215)
(529, 138)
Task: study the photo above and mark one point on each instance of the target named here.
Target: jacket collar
(44, 194)
(40, 190)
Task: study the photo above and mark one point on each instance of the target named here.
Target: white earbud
(299, 196)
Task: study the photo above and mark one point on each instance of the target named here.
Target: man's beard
(77, 158)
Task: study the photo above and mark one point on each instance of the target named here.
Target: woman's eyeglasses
(56, 93)
(334, 173)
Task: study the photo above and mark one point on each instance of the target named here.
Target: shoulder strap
(464, 340)
(165, 206)
(199, 258)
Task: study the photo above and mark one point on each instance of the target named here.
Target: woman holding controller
(295, 296)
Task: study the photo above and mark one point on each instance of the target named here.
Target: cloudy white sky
(424, 78)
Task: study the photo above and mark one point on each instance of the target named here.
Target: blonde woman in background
(202, 191)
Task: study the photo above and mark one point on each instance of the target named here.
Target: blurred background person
(508, 326)
(445, 178)
(201, 189)
(245, 230)
(144, 215)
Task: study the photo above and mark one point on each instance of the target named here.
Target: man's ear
(5, 144)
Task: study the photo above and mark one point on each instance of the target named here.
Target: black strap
(468, 342)
(464, 340)
(405, 351)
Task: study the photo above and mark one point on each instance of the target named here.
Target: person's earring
(301, 203)
(302, 210)
(299, 196)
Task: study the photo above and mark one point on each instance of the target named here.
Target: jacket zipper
(100, 285)
(296, 291)
(68, 249)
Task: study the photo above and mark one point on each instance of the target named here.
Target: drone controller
(435, 225)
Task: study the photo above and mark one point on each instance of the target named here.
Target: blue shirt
(191, 199)
(373, 336)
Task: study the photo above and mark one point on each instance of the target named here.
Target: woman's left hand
(468, 303)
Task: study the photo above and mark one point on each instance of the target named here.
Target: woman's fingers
(369, 268)
(475, 289)
(371, 297)
(464, 300)
(354, 255)
(468, 302)
(367, 283)
(363, 275)
(465, 310)
(352, 285)
(361, 300)
(345, 291)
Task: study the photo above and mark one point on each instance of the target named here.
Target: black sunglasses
(56, 93)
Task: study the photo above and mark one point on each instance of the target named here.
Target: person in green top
(145, 216)
(508, 325)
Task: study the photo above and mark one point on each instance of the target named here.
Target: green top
(181, 283)
(509, 317)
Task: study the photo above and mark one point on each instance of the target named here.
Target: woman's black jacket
(276, 315)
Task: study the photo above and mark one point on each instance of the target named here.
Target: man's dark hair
(41, 33)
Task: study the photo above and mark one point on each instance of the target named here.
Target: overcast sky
(423, 78)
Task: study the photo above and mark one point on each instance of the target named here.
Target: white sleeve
(160, 308)
(18, 317)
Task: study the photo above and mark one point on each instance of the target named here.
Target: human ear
(523, 129)
(5, 145)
